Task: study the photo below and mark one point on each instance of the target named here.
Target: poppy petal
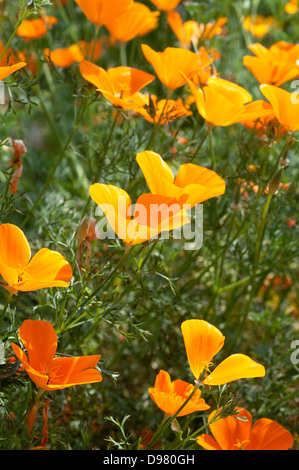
(202, 342)
(234, 367)
(269, 435)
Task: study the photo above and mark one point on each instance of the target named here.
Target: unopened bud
(19, 148)
(275, 182)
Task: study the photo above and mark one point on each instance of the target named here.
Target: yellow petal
(234, 367)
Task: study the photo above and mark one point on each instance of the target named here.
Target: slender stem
(201, 143)
(22, 16)
(8, 300)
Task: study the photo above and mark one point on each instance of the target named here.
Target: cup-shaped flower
(220, 102)
(291, 7)
(165, 5)
(192, 181)
(46, 268)
(119, 85)
(190, 31)
(134, 22)
(170, 396)
(238, 433)
(161, 111)
(6, 71)
(202, 342)
(285, 106)
(259, 25)
(36, 28)
(101, 12)
(44, 369)
(148, 218)
(174, 64)
(273, 66)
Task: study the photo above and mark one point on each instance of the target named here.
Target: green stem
(22, 16)
(8, 300)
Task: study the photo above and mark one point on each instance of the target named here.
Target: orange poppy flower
(47, 268)
(64, 57)
(170, 396)
(238, 433)
(202, 342)
(100, 12)
(220, 102)
(174, 64)
(273, 66)
(190, 31)
(161, 111)
(152, 214)
(37, 28)
(165, 5)
(285, 106)
(291, 7)
(134, 22)
(44, 369)
(259, 25)
(194, 182)
(119, 85)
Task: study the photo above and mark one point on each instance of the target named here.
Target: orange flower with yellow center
(174, 64)
(259, 25)
(44, 369)
(194, 182)
(161, 111)
(119, 85)
(151, 215)
(202, 342)
(220, 102)
(170, 396)
(238, 433)
(46, 268)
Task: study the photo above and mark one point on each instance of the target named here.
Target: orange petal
(202, 341)
(285, 106)
(234, 367)
(156, 171)
(15, 252)
(100, 12)
(269, 435)
(6, 71)
(70, 371)
(232, 431)
(47, 268)
(207, 442)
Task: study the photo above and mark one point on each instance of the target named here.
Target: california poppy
(194, 182)
(174, 64)
(220, 102)
(170, 396)
(64, 57)
(137, 21)
(44, 369)
(202, 342)
(119, 85)
(36, 28)
(291, 7)
(285, 106)
(101, 12)
(151, 215)
(273, 66)
(238, 433)
(165, 5)
(190, 31)
(259, 25)
(161, 111)
(46, 268)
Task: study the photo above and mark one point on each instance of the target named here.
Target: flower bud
(275, 182)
